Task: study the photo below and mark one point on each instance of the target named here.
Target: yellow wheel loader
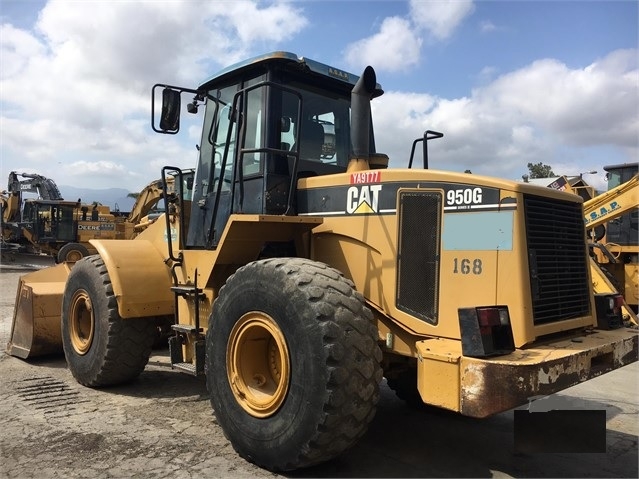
(303, 269)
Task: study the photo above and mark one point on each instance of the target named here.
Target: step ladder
(188, 334)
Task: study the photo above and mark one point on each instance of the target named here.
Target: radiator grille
(557, 259)
(418, 254)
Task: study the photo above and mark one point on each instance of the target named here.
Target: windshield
(324, 125)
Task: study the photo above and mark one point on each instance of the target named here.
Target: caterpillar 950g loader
(304, 270)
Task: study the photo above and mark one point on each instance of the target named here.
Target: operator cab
(50, 221)
(268, 122)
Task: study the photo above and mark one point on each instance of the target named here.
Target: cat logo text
(363, 199)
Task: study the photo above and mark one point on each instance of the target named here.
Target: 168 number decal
(467, 266)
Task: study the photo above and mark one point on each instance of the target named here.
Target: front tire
(101, 348)
(292, 363)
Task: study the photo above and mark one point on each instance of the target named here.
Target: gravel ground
(161, 425)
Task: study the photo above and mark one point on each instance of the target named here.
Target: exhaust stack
(361, 96)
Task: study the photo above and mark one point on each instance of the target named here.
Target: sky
(508, 83)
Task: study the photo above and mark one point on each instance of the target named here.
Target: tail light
(486, 331)
(616, 303)
(609, 313)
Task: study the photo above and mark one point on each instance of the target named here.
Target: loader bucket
(36, 317)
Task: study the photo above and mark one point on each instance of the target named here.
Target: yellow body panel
(141, 282)
(631, 282)
(365, 248)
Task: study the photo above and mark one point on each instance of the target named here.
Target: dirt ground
(162, 426)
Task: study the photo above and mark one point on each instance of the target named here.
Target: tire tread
(129, 341)
(351, 358)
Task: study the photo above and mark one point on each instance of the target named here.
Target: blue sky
(508, 83)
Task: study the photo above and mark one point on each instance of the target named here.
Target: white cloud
(588, 106)
(394, 47)
(487, 26)
(397, 45)
(543, 112)
(106, 168)
(253, 24)
(16, 49)
(79, 83)
(440, 18)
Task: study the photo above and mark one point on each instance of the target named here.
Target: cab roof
(287, 57)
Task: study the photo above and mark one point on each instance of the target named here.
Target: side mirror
(170, 119)
(169, 123)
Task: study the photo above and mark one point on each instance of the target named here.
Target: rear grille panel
(418, 254)
(557, 259)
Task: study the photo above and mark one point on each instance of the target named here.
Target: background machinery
(49, 224)
(145, 209)
(304, 269)
(619, 201)
(614, 217)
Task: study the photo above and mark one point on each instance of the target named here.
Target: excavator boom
(612, 204)
(45, 187)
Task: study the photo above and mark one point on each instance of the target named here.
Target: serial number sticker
(363, 177)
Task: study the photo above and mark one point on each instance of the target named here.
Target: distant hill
(114, 198)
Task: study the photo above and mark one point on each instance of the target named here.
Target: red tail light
(617, 303)
(485, 331)
(488, 316)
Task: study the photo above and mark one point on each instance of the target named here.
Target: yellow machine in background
(48, 224)
(304, 269)
(617, 249)
(148, 199)
(64, 229)
(620, 201)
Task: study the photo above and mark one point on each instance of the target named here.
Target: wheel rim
(73, 256)
(81, 322)
(258, 364)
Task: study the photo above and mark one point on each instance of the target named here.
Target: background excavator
(62, 229)
(11, 199)
(48, 224)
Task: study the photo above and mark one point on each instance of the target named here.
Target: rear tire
(292, 363)
(101, 348)
(72, 252)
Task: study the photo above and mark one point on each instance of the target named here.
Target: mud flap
(35, 330)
